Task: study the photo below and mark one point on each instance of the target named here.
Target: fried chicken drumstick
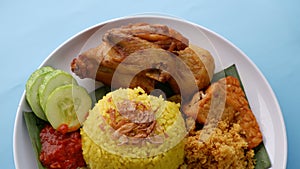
(143, 55)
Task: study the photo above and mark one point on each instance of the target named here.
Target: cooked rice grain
(102, 150)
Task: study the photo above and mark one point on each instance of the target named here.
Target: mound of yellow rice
(101, 149)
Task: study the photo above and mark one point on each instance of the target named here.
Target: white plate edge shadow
(19, 122)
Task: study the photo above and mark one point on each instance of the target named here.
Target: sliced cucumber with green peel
(32, 88)
(51, 81)
(68, 105)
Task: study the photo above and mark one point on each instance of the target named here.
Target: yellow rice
(101, 151)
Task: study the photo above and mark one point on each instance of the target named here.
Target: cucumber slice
(68, 105)
(51, 81)
(32, 88)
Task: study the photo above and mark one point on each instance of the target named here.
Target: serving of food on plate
(158, 101)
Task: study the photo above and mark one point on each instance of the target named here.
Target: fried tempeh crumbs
(220, 147)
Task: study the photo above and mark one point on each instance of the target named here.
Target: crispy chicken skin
(201, 64)
(159, 35)
(225, 100)
(149, 52)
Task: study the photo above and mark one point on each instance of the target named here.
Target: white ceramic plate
(261, 97)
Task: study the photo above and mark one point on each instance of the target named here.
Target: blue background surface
(268, 31)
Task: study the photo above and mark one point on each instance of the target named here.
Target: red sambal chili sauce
(61, 150)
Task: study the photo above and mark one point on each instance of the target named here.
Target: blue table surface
(267, 31)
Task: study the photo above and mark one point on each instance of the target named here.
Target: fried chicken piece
(89, 65)
(101, 62)
(137, 38)
(225, 100)
(123, 45)
(197, 69)
(160, 35)
(155, 52)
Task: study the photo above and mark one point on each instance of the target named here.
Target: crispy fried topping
(134, 123)
(225, 100)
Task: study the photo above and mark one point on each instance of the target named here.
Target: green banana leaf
(261, 154)
(34, 124)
